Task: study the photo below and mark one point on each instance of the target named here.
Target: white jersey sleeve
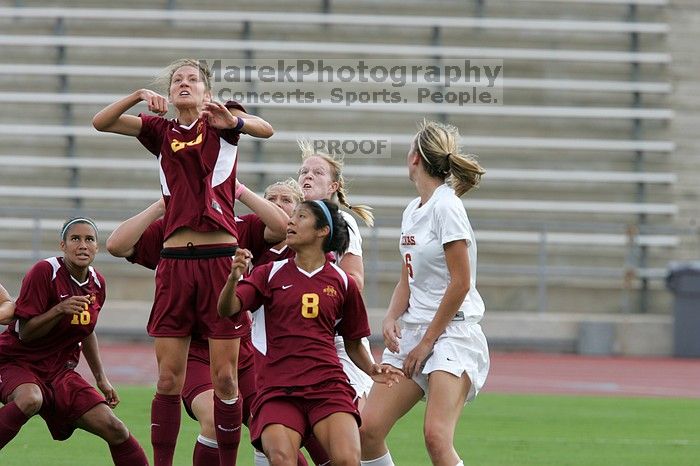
(355, 246)
(451, 222)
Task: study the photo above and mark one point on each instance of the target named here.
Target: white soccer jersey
(424, 231)
(355, 246)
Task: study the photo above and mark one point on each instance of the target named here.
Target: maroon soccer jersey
(301, 313)
(251, 234)
(197, 172)
(274, 255)
(46, 284)
(147, 248)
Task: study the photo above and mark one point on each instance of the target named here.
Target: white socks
(381, 461)
(385, 461)
(259, 459)
(207, 442)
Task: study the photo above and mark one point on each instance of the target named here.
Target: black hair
(75, 220)
(339, 241)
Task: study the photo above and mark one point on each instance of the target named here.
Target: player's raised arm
(228, 303)
(274, 218)
(251, 124)
(112, 119)
(123, 239)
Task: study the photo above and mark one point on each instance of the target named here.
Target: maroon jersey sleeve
(253, 290)
(235, 104)
(102, 293)
(152, 133)
(354, 323)
(147, 248)
(252, 235)
(35, 295)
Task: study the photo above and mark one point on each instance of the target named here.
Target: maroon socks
(165, 426)
(128, 453)
(227, 423)
(11, 421)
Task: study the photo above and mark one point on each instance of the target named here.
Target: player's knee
(281, 456)
(115, 431)
(29, 400)
(345, 454)
(206, 425)
(169, 383)
(437, 439)
(370, 432)
(223, 382)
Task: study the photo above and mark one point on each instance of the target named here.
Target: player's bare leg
(28, 398)
(384, 407)
(446, 396)
(340, 438)
(228, 408)
(171, 355)
(125, 450)
(206, 448)
(281, 445)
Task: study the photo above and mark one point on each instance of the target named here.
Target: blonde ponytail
(437, 144)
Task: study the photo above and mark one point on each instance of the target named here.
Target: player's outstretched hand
(156, 102)
(241, 262)
(73, 305)
(416, 359)
(109, 392)
(392, 333)
(386, 374)
(218, 115)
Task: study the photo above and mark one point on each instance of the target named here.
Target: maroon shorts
(66, 397)
(188, 283)
(198, 376)
(300, 408)
(197, 379)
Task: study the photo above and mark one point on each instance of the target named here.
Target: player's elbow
(359, 280)
(266, 130)
(225, 308)
(115, 247)
(261, 129)
(460, 287)
(99, 123)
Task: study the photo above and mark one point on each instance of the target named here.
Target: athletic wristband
(239, 190)
(240, 124)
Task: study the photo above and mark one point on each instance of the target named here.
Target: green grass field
(496, 430)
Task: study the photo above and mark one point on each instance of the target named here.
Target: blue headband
(77, 220)
(327, 213)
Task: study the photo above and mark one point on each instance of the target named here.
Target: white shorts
(359, 380)
(461, 348)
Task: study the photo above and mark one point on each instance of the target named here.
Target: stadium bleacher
(576, 156)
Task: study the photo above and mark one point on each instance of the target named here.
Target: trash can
(683, 279)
